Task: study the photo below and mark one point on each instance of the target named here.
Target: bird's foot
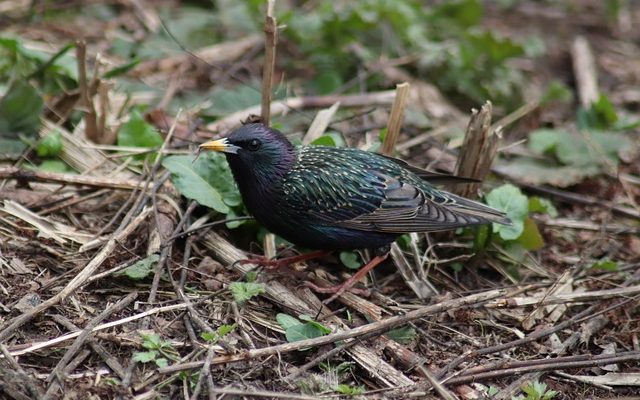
(348, 284)
(281, 262)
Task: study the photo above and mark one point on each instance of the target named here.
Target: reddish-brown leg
(346, 285)
(283, 262)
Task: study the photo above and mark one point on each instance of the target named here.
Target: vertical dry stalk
(90, 118)
(478, 150)
(584, 68)
(396, 118)
(271, 40)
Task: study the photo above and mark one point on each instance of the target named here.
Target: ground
(119, 246)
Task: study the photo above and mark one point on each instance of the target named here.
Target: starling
(330, 198)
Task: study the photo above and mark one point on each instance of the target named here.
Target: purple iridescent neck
(256, 172)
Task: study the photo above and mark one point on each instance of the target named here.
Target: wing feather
(352, 189)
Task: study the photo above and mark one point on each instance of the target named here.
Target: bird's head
(255, 152)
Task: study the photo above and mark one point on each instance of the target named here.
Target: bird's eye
(254, 144)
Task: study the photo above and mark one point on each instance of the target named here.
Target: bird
(334, 199)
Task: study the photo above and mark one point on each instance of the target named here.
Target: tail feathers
(478, 210)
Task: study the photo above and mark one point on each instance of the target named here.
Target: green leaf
(543, 172)
(605, 264)
(152, 341)
(243, 291)
(403, 335)
(55, 166)
(457, 267)
(544, 140)
(557, 91)
(602, 115)
(349, 390)
(227, 101)
(531, 239)
(315, 324)
(211, 337)
(50, 145)
(350, 259)
(302, 332)
(481, 238)
(461, 13)
(251, 276)
(287, 321)
(11, 147)
(196, 180)
(541, 205)
(121, 69)
(162, 362)
(20, 110)
(144, 356)
(327, 81)
(224, 330)
(332, 139)
(138, 133)
(510, 200)
(586, 150)
(141, 269)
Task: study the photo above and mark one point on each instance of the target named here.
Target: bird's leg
(348, 284)
(282, 262)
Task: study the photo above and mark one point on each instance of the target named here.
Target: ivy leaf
(510, 200)
(141, 269)
(243, 291)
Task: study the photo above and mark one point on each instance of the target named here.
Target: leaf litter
(562, 281)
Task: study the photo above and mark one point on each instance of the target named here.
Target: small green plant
(403, 335)
(517, 206)
(243, 291)
(222, 331)
(605, 264)
(137, 132)
(141, 269)
(296, 330)
(158, 351)
(349, 390)
(567, 155)
(536, 391)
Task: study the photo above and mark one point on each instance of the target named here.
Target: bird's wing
(366, 192)
(413, 207)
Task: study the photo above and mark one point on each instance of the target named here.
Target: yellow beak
(221, 145)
